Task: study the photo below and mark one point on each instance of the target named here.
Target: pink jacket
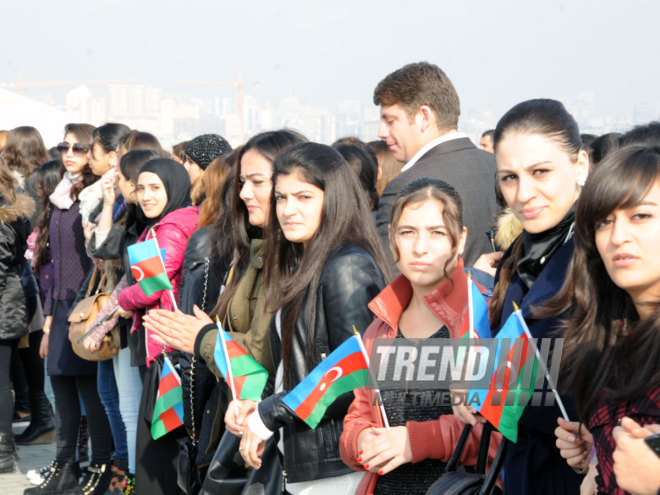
(172, 233)
(428, 439)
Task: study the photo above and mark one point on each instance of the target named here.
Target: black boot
(7, 453)
(63, 480)
(41, 429)
(97, 479)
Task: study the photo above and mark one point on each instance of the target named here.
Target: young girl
(613, 335)
(326, 253)
(429, 299)
(163, 195)
(541, 168)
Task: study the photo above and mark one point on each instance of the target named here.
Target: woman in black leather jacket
(325, 252)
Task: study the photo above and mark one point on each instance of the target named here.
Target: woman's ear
(462, 240)
(583, 166)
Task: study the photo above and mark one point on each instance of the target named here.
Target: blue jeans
(110, 398)
(130, 392)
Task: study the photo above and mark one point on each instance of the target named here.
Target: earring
(581, 181)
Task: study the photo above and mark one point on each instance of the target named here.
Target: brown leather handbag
(81, 319)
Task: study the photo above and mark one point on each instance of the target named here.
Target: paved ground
(30, 457)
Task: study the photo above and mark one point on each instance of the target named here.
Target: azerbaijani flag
(168, 410)
(345, 369)
(513, 341)
(245, 374)
(477, 325)
(148, 267)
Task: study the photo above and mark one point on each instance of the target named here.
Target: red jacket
(172, 233)
(428, 439)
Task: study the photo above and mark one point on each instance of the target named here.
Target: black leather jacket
(350, 279)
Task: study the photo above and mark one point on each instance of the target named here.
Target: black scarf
(539, 248)
(177, 185)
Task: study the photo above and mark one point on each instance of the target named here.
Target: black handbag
(456, 481)
(227, 473)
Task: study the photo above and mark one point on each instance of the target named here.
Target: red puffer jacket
(172, 233)
(428, 439)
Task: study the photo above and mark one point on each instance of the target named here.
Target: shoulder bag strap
(455, 459)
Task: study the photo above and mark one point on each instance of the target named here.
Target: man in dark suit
(419, 111)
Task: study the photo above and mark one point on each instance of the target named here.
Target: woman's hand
(88, 230)
(237, 414)
(43, 346)
(91, 345)
(176, 329)
(383, 450)
(574, 443)
(636, 466)
(588, 485)
(124, 313)
(488, 262)
(252, 447)
(463, 412)
(108, 187)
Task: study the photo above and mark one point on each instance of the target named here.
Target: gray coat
(471, 172)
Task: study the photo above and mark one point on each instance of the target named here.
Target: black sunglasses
(77, 148)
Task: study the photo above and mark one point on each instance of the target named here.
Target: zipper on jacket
(284, 480)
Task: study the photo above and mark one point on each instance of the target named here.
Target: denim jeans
(130, 391)
(110, 398)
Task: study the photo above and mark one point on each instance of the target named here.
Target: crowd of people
(291, 245)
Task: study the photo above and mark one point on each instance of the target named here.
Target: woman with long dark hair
(70, 375)
(541, 168)
(612, 339)
(323, 247)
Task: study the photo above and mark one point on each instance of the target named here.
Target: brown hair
(608, 348)
(423, 189)
(418, 84)
(8, 184)
(24, 150)
(547, 118)
(268, 144)
(213, 181)
(83, 133)
(389, 166)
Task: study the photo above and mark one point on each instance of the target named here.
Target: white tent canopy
(17, 110)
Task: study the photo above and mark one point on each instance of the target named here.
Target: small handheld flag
(244, 375)
(479, 324)
(147, 267)
(168, 410)
(344, 370)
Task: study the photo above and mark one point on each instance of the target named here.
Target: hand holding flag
(344, 370)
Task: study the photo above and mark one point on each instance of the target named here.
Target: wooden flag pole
(373, 379)
(470, 307)
(551, 382)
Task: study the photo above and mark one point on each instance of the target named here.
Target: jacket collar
(447, 301)
(22, 208)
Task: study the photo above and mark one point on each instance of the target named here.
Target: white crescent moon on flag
(137, 273)
(336, 369)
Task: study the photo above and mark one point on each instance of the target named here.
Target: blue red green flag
(345, 369)
(477, 325)
(502, 404)
(168, 410)
(148, 266)
(244, 375)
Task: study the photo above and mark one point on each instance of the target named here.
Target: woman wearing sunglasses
(70, 375)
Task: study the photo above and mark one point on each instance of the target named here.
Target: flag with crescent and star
(148, 266)
(504, 402)
(344, 370)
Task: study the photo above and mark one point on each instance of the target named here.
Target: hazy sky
(496, 52)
